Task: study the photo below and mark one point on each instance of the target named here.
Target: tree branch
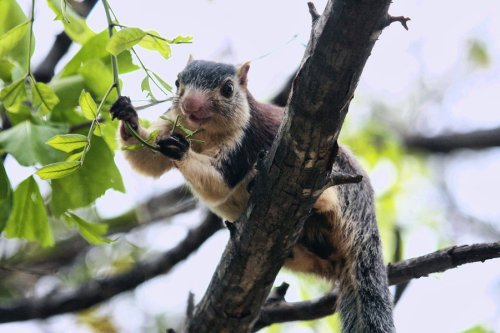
(275, 311)
(38, 262)
(99, 290)
(450, 142)
(441, 261)
(399, 273)
(300, 159)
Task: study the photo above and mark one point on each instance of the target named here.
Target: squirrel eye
(227, 89)
(176, 83)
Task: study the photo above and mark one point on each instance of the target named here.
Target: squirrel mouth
(197, 119)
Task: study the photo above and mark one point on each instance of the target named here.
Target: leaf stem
(139, 138)
(146, 70)
(95, 122)
(114, 62)
(116, 81)
(32, 19)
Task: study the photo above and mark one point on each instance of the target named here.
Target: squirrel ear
(242, 72)
(190, 60)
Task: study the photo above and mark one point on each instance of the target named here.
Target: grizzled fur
(258, 137)
(340, 239)
(206, 74)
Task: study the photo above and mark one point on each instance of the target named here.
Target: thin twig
(401, 19)
(314, 12)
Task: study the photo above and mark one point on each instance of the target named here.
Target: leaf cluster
(62, 129)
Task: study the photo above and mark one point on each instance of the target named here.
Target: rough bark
(297, 165)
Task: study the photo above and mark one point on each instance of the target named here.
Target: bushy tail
(365, 304)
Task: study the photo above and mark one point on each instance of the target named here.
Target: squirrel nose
(193, 103)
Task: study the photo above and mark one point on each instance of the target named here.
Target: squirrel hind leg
(316, 251)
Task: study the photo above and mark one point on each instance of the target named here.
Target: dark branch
(190, 305)
(398, 256)
(401, 19)
(272, 312)
(100, 290)
(441, 261)
(399, 273)
(293, 311)
(338, 178)
(314, 12)
(46, 261)
(341, 41)
(449, 142)
(277, 295)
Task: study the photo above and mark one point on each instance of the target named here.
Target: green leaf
(6, 67)
(125, 63)
(58, 169)
(10, 39)
(153, 41)
(74, 25)
(75, 156)
(68, 142)
(12, 15)
(44, 98)
(29, 219)
(153, 135)
(13, 95)
(478, 53)
(145, 87)
(124, 39)
(98, 78)
(98, 129)
(98, 174)
(162, 82)
(88, 106)
(26, 142)
(5, 197)
(95, 49)
(92, 232)
(68, 90)
(137, 146)
(478, 329)
(181, 40)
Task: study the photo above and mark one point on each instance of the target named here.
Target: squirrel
(339, 240)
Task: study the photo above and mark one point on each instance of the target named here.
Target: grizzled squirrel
(340, 239)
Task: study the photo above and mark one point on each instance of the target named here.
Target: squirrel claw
(123, 110)
(174, 147)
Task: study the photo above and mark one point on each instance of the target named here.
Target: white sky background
(273, 34)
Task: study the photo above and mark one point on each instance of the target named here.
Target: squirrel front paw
(123, 110)
(174, 147)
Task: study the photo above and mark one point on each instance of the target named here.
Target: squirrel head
(213, 96)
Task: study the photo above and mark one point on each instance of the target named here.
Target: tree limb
(341, 41)
(38, 262)
(446, 143)
(99, 290)
(441, 261)
(398, 273)
(273, 312)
